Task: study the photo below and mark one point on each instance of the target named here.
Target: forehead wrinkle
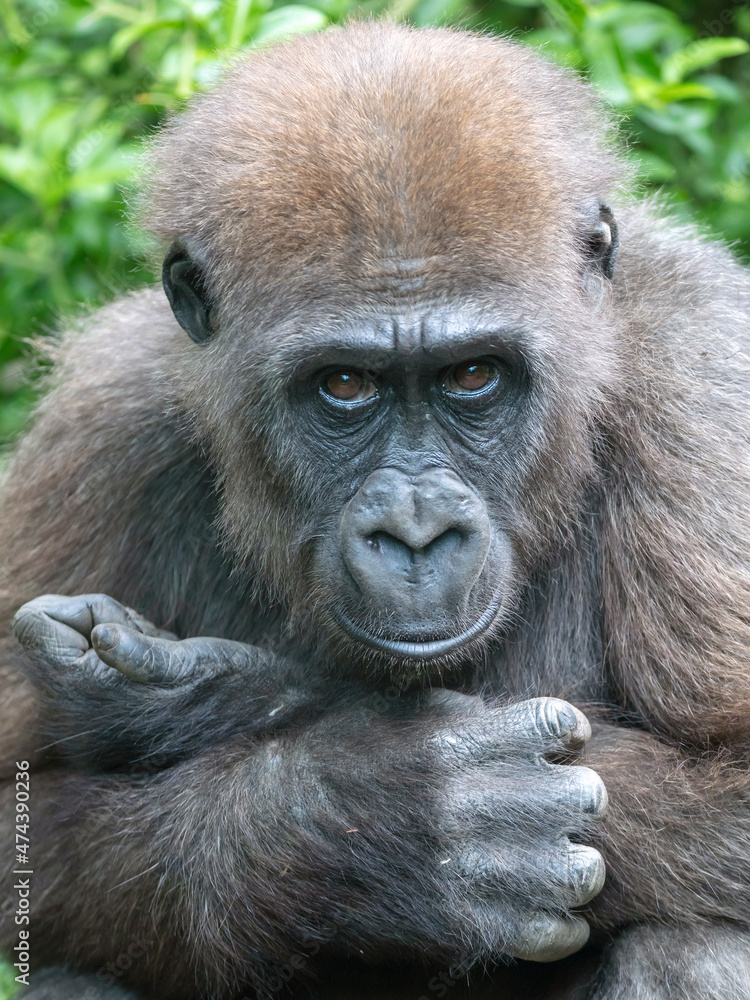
(409, 337)
(385, 343)
(385, 332)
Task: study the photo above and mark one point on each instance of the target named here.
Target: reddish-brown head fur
(376, 143)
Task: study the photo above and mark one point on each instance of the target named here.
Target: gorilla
(382, 584)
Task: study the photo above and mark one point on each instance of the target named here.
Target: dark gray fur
(279, 807)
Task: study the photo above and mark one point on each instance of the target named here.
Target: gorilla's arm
(435, 828)
(170, 700)
(428, 833)
(116, 692)
(676, 834)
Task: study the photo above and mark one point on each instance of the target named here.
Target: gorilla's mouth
(412, 650)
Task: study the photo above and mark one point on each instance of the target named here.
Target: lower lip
(419, 650)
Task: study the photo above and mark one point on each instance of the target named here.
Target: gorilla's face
(396, 465)
(397, 365)
(419, 560)
(435, 461)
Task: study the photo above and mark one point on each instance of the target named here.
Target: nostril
(383, 541)
(443, 544)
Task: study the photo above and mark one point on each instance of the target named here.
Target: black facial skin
(397, 414)
(421, 567)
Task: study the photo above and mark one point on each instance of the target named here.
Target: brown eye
(349, 386)
(471, 376)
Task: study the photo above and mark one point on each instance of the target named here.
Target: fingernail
(106, 638)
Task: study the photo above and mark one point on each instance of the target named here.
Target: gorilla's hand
(510, 813)
(457, 823)
(118, 691)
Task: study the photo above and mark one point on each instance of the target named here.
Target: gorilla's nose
(415, 545)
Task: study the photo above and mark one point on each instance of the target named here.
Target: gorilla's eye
(469, 377)
(349, 386)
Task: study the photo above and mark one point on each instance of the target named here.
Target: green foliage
(83, 82)
(688, 123)
(8, 986)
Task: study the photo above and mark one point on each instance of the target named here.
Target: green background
(83, 84)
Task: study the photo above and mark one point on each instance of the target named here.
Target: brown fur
(304, 180)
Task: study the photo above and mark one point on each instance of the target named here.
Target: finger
(143, 658)
(575, 790)
(546, 938)
(39, 633)
(579, 873)
(547, 724)
(83, 611)
(528, 729)
(570, 876)
(155, 660)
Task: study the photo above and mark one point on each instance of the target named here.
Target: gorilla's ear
(185, 288)
(601, 240)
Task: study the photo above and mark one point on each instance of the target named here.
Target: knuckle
(585, 872)
(461, 800)
(25, 622)
(589, 791)
(25, 613)
(33, 610)
(552, 720)
(453, 747)
(34, 621)
(546, 938)
(470, 863)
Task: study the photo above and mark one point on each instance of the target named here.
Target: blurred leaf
(126, 37)
(290, 20)
(11, 22)
(654, 93)
(119, 11)
(23, 108)
(240, 16)
(697, 55)
(573, 12)
(8, 986)
(652, 167)
(720, 87)
(606, 66)
(22, 167)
